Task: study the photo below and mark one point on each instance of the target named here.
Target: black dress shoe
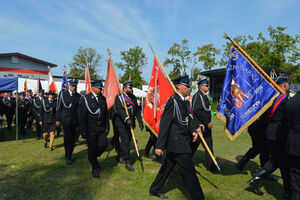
(150, 156)
(68, 161)
(45, 145)
(241, 169)
(120, 160)
(128, 166)
(255, 187)
(159, 195)
(95, 173)
(271, 177)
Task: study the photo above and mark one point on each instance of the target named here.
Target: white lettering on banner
(228, 114)
(258, 89)
(242, 68)
(257, 103)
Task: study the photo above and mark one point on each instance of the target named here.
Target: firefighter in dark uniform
(202, 110)
(124, 122)
(259, 147)
(94, 124)
(30, 116)
(36, 105)
(276, 137)
(177, 131)
(293, 147)
(9, 107)
(23, 111)
(67, 116)
(47, 119)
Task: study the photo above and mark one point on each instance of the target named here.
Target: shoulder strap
(276, 104)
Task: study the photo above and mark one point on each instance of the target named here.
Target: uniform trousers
(125, 135)
(187, 171)
(30, 119)
(69, 140)
(115, 139)
(209, 164)
(278, 159)
(38, 128)
(259, 146)
(295, 176)
(97, 144)
(151, 143)
(9, 119)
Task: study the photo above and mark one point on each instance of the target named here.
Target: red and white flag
(51, 82)
(111, 88)
(159, 91)
(88, 88)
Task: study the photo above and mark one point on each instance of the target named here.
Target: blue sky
(54, 30)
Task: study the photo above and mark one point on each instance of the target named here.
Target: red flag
(111, 88)
(159, 91)
(87, 80)
(25, 87)
(51, 82)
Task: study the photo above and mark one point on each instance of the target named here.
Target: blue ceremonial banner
(245, 96)
(64, 84)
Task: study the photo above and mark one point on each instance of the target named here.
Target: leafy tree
(134, 60)
(207, 55)
(180, 57)
(80, 59)
(278, 49)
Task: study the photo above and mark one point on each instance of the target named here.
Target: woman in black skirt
(48, 119)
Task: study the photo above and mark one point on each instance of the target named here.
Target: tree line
(276, 48)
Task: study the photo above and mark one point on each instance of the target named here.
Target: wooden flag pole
(201, 137)
(254, 63)
(125, 106)
(208, 150)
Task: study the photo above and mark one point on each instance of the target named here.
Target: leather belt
(97, 122)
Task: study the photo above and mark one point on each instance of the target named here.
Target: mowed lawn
(29, 171)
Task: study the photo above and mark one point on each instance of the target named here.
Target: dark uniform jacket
(29, 99)
(293, 141)
(119, 114)
(36, 105)
(201, 107)
(277, 128)
(67, 108)
(9, 105)
(23, 109)
(93, 115)
(176, 126)
(48, 111)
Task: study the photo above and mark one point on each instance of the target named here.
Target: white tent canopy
(32, 84)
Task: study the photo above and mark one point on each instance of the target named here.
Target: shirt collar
(94, 94)
(206, 93)
(182, 98)
(70, 92)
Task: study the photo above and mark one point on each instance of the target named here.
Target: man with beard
(123, 122)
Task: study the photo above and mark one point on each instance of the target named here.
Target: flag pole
(125, 106)
(254, 63)
(201, 137)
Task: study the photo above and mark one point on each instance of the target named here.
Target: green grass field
(29, 171)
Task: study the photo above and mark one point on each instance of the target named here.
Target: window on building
(15, 59)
